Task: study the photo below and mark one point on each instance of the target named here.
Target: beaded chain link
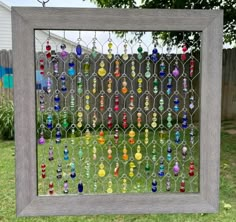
(117, 116)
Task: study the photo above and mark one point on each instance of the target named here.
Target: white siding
(5, 29)
(40, 42)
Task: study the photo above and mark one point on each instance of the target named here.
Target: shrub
(6, 118)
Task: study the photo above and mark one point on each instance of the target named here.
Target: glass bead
(140, 49)
(79, 50)
(80, 187)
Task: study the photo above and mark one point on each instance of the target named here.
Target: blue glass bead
(162, 73)
(57, 107)
(66, 157)
(154, 51)
(185, 123)
(154, 189)
(176, 101)
(78, 50)
(73, 175)
(80, 187)
(63, 46)
(49, 125)
(57, 98)
(71, 64)
(154, 58)
(71, 71)
(63, 88)
(63, 77)
(154, 183)
(169, 150)
(161, 174)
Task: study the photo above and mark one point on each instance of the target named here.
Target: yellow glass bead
(139, 90)
(110, 45)
(125, 56)
(132, 68)
(138, 156)
(132, 165)
(102, 72)
(154, 124)
(109, 56)
(87, 107)
(101, 140)
(131, 173)
(80, 114)
(140, 80)
(79, 125)
(109, 190)
(102, 64)
(131, 133)
(101, 173)
(87, 97)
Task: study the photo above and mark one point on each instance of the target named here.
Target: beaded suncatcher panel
(116, 116)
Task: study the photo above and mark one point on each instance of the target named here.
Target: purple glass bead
(176, 169)
(41, 140)
(64, 54)
(175, 72)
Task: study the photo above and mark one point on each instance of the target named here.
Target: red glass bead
(48, 47)
(191, 169)
(182, 186)
(48, 55)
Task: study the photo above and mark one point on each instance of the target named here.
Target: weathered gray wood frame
(26, 20)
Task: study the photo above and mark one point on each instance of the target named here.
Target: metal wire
(82, 151)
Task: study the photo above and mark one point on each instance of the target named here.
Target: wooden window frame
(25, 20)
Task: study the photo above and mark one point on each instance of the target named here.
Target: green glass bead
(147, 167)
(155, 82)
(161, 108)
(81, 153)
(147, 74)
(140, 56)
(65, 124)
(162, 167)
(169, 125)
(140, 49)
(94, 54)
(86, 68)
(80, 90)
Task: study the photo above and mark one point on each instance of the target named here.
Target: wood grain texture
(24, 101)
(117, 19)
(210, 110)
(26, 20)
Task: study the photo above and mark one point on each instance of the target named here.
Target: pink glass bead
(116, 108)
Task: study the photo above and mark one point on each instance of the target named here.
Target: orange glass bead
(124, 90)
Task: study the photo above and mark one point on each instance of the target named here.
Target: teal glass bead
(169, 157)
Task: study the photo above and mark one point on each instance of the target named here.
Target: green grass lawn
(227, 192)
